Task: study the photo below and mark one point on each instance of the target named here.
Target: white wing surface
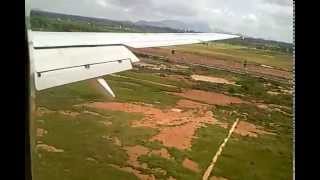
(66, 57)
(135, 40)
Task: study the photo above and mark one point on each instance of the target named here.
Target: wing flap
(59, 66)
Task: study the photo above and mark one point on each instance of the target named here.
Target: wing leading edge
(66, 57)
(135, 40)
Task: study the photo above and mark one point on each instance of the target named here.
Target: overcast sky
(268, 19)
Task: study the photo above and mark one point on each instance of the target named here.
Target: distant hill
(194, 27)
(262, 44)
(50, 21)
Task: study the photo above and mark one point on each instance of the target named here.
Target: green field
(240, 53)
(266, 157)
(87, 155)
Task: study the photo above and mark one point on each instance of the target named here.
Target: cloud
(250, 18)
(259, 18)
(279, 2)
(101, 3)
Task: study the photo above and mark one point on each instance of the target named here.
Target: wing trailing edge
(56, 67)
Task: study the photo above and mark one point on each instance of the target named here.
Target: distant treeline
(262, 44)
(48, 21)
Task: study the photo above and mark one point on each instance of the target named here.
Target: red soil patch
(153, 117)
(209, 97)
(247, 129)
(211, 79)
(179, 136)
(184, 103)
(193, 166)
(177, 128)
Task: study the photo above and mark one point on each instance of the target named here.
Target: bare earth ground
(247, 129)
(210, 97)
(177, 128)
(211, 79)
(189, 58)
(134, 152)
(189, 164)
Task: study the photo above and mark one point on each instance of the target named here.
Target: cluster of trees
(46, 24)
(263, 44)
(48, 21)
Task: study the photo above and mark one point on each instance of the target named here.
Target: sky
(267, 19)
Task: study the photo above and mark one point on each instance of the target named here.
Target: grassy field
(266, 157)
(87, 138)
(87, 154)
(81, 137)
(240, 53)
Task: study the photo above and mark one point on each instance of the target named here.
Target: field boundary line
(215, 158)
(143, 80)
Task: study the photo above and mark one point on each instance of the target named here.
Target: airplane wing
(66, 57)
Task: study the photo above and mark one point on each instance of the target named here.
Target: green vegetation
(40, 23)
(64, 97)
(206, 145)
(240, 53)
(87, 153)
(86, 137)
(252, 88)
(156, 77)
(131, 90)
(172, 167)
(275, 121)
(127, 90)
(265, 157)
(202, 151)
(261, 158)
(262, 44)
(49, 21)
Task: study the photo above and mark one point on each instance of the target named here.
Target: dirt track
(189, 58)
